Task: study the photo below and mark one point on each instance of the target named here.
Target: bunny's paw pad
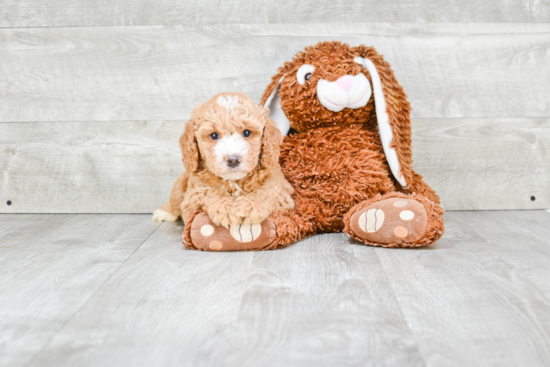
(205, 235)
(391, 221)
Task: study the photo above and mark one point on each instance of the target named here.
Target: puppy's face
(229, 137)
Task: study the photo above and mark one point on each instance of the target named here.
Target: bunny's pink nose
(346, 82)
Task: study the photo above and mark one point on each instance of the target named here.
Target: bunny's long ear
(272, 101)
(393, 118)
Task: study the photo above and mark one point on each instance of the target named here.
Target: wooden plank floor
(120, 290)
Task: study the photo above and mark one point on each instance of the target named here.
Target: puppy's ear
(392, 114)
(272, 101)
(189, 148)
(271, 144)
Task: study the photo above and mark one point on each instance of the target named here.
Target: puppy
(230, 151)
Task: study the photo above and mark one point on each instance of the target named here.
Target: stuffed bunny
(348, 150)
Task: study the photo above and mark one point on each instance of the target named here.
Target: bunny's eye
(304, 73)
(214, 136)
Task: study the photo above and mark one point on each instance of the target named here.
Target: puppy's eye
(247, 133)
(214, 136)
(304, 73)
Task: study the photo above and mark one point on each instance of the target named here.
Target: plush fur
(247, 193)
(335, 160)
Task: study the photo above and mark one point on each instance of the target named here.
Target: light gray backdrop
(94, 94)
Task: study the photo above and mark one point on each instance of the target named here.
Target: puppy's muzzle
(233, 160)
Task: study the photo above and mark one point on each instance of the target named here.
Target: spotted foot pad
(394, 220)
(205, 235)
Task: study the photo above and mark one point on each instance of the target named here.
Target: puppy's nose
(345, 83)
(233, 160)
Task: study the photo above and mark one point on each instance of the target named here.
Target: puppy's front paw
(253, 213)
(287, 203)
(224, 218)
(256, 216)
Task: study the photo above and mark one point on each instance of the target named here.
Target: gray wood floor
(120, 290)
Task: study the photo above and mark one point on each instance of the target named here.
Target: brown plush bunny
(349, 159)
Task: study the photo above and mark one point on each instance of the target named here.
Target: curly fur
(229, 202)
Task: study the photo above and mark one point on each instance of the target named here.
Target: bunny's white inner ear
(276, 113)
(384, 128)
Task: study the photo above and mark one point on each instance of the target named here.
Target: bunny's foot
(202, 234)
(395, 220)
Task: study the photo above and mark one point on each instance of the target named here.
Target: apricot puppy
(230, 151)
